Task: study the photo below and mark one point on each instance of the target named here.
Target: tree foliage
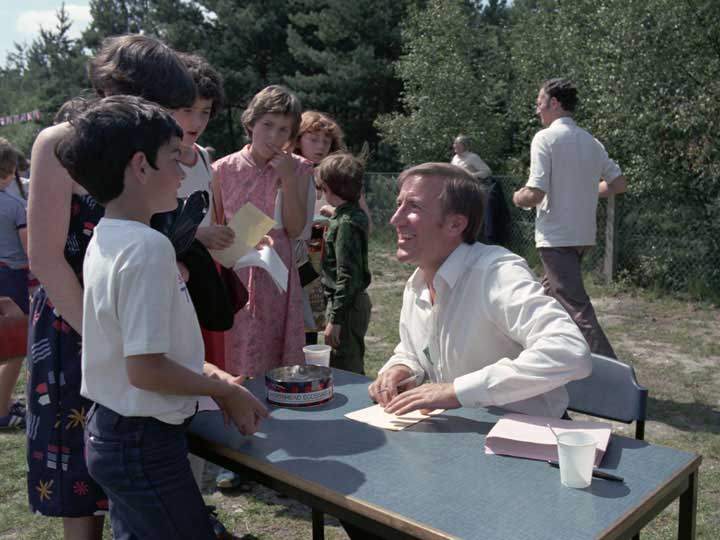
(454, 71)
(409, 75)
(41, 76)
(343, 56)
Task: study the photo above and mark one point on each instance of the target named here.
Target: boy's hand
(215, 236)
(243, 409)
(283, 163)
(332, 335)
(327, 210)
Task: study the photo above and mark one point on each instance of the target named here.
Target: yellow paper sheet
(376, 416)
(249, 225)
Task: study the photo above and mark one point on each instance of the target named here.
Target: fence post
(612, 217)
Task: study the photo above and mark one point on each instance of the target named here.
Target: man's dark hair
(343, 174)
(564, 91)
(139, 65)
(104, 138)
(461, 194)
(208, 82)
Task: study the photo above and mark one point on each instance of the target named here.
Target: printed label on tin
(308, 397)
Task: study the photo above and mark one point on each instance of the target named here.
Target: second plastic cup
(317, 355)
(576, 454)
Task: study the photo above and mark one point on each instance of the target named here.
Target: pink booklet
(525, 436)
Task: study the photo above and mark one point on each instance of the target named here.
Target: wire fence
(635, 243)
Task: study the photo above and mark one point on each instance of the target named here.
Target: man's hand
(332, 335)
(243, 409)
(283, 163)
(424, 398)
(385, 387)
(215, 236)
(528, 197)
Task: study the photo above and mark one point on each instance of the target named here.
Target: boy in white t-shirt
(142, 360)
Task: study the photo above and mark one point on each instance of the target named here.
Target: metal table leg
(318, 525)
(688, 509)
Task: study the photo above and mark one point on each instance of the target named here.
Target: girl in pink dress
(268, 331)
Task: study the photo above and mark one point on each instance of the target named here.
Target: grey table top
(437, 474)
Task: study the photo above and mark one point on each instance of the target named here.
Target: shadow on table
(318, 438)
(329, 473)
(281, 439)
(607, 489)
(451, 424)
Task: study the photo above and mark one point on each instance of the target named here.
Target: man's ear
(139, 166)
(456, 224)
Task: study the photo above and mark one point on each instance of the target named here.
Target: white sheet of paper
(249, 225)
(267, 259)
(376, 416)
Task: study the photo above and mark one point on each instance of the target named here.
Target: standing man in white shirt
(475, 322)
(469, 161)
(569, 170)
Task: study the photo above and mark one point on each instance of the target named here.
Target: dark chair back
(611, 392)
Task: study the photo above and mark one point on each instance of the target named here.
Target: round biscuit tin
(299, 386)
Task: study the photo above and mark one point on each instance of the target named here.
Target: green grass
(672, 343)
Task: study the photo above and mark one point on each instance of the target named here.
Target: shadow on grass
(685, 416)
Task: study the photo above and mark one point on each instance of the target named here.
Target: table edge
(623, 523)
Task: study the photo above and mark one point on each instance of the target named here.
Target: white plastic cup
(317, 355)
(576, 454)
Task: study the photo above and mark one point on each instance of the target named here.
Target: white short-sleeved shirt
(198, 177)
(135, 302)
(567, 163)
(472, 163)
(492, 332)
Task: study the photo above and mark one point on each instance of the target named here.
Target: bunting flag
(20, 118)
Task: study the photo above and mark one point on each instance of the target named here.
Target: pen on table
(406, 380)
(596, 474)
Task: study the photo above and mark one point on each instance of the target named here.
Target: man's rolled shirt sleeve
(540, 163)
(554, 351)
(610, 170)
(403, 354)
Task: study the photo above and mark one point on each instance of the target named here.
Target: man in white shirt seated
(469, 161)
(475, 322)
(569, 169)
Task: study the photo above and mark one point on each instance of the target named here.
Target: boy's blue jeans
(142, 465)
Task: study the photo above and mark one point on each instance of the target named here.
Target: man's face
(420, 225)
(546, 108)
(458, 147)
